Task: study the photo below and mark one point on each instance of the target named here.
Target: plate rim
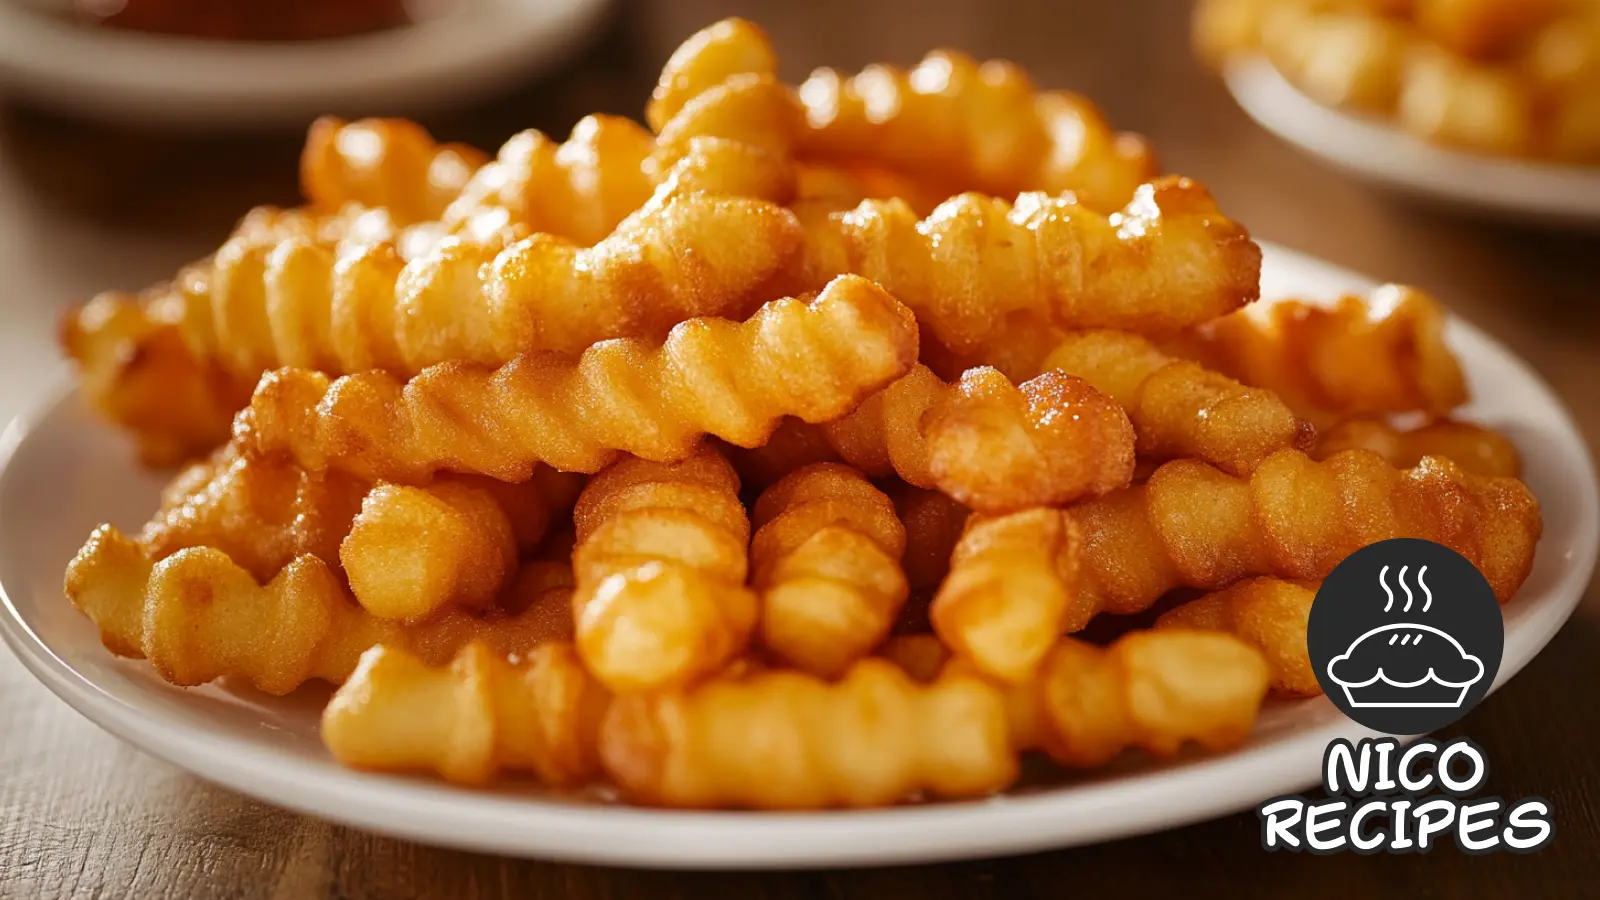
(1369, 148)
(142, 77)
(417, 809)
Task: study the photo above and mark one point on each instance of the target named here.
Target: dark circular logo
(1405, 636)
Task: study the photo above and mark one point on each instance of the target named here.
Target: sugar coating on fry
(1151, 690)
(972, 126)
(389, 163)
(660, 568)
(1168, 260)
(883, 436)
(579, 189)
(135, 371)
(1193, 525)
(1476, 449)
(481, 715)
(1384, 353)
(1012, 589)
(1177, 407)
(1269, 614)
(934, 523)
(826, 563)
(197, 616)
(261, 512)
(411, 550)
(1053, 439)
(815, 359)
(788, 740)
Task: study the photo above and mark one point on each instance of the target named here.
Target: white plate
(67, 474)
(135, 77)
(1533, 191)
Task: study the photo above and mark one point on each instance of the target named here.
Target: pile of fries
(766, 457)
(1510, 77)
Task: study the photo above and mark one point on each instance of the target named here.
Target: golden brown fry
(1224, 29)
(1269, 614)
(1454, 101)
(197, 616)
(1151, 690)
(816, 360)
(580, 189)
(1192, 525)
(389, 163)
(1349, 59)
(1178, 408)
(411, 550)
(1477, 450)
(136, 372)
(1169, 260)
(997, 447)
(481, 715)
(1381, 354)
(934, 523)
(263, 513)
(826, 561)
(722, 82)
(660, 567)
(992, 445)
(541, 596)
(1012, 589)
(787, 740)
(972, 126)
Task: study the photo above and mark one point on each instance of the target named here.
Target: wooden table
(82, 209)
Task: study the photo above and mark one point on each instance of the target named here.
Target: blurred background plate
(1565, 195)
(66, 473)
(131, 76)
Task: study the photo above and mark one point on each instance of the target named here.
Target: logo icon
(1405, 636)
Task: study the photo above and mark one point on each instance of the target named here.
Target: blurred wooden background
(82, 208)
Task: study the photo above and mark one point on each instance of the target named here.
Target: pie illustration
(1405, 664)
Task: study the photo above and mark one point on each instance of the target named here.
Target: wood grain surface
(81, 208)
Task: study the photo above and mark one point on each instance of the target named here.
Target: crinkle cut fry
(660, 570)
(816, 360)
(1012, 588)
(826, 562)
(136, 372)
(1192, 525)
(388, 163)
(197, 616)
(1177, 407)
(973, 126)
(1476, 449)
(992, 445)
(1170, 259)
(1151, 690)
(694, 254)
(1269, 614)
(934, 523)
(459, 533)
(1385, 353)
(788, 740)
(481, 715)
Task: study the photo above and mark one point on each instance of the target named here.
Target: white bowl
(1567, 195)
(130, 76)
(66, 474)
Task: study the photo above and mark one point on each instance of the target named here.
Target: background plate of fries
(1566, 194)
(59, 460)
(202, 83)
